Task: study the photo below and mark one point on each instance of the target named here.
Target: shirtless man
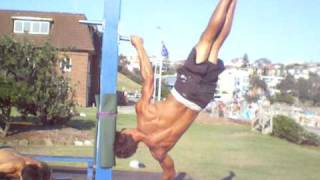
(160, 125)
(15, 166)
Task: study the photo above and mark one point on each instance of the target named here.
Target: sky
(281, 30)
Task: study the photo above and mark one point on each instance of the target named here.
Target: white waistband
(185, 101)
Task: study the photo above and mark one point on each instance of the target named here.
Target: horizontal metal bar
(88, 160)
(100, 23)
(124, 38)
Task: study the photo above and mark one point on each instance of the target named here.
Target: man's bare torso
(164, 122)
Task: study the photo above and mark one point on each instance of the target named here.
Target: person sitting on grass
(160, 125)
(16, 166)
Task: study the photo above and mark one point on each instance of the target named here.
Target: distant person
(160, 125)
(221, 109)
(16, 166)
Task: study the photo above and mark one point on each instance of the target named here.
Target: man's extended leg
(223, 34)
(212, 31)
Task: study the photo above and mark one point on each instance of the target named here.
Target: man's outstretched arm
(166, 163)
(145, 69)
(167, 166)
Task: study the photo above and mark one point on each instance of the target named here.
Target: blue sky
(281, 30)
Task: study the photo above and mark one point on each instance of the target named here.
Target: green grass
(126, 84)
(209, 152)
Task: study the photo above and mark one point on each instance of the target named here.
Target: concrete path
(126, 109)
(312, 129)
(71, 173)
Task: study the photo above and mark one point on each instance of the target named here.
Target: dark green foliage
(8, 94)
(302, 89)
(246, 60)
(262, 62)
(257, 89)
(307, 90)
(31, 82)
(283, 98)
(165, 90)
(256, 82)
(287, 85)
(286, 128)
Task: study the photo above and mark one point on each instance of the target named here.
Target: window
(31, 27)
(66, 64)
(36, 27)
(45, 27)
(27, 26)
(18, 27)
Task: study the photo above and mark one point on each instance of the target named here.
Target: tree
(303, 89)
(262, 62)
(283, 98)
(314, 88)
(287, 85)
(245, 60)
(31, 81)
(257, 88)
(8, 97)
(123, 63)
(13, 74)
(307, 90)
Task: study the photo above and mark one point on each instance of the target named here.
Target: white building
(272, 82)
(303, 70)
(233, 83)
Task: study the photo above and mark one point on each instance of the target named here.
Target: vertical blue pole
(108, 86)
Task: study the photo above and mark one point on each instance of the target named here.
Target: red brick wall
(79, 75)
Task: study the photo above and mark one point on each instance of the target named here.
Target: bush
(30, 81)
(282, 97)
(286, 128)
(165, 90)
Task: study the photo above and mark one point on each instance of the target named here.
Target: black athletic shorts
(197, 82)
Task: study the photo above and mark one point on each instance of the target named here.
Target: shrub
(286, 128)
(165, 90)
(282, 97)
(30, 81)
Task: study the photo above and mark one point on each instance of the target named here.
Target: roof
(65, 31)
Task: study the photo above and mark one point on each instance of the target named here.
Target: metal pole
(160, 79)
(160, 65)
(155, 80)
(108, 84)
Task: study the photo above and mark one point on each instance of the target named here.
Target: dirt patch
(60, 136)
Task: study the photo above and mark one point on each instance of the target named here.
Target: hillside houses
(234, 82)
(302, 70)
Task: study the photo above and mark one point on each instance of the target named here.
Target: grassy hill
(126, 84)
